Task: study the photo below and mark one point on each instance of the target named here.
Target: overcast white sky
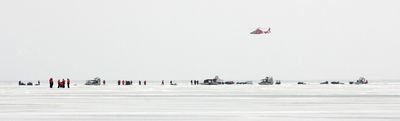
(197, 39)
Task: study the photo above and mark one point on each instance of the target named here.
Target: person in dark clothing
(162, 82)
(140, 82)
(68, 82)
(170, 82)
(51, 82)
(58, 83)
(104, 82)
(123, 82)
(144, 82)
(119, 82)
(191, 82)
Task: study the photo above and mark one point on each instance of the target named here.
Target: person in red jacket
(63, 83)
(68, 82)
(51, 82)
(123, 82)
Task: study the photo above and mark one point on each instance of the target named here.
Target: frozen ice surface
(373, 102)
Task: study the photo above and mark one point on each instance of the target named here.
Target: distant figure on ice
(68, 82)
(51, 82)
(140, 82)
(162, 82)
(191, 82)
(104, 82)
(38, 83)
(144, 82)
(119, 82)
(123, 82)
(63, 83)
(58, 83)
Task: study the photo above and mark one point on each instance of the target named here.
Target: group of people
(60, 83)
(194, 82)
(126, 82)
(170, 83)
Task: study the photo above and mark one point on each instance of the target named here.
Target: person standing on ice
(162, 82)
(58, 84)
(68, 81)
(63, 83)
(51, 82)
(144, 82)
(104, 82)
(119, 82)
(191, 82)
(123, 82)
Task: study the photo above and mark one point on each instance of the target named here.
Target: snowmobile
(325, 82)
(303, 83)
(336, 82)
(21, 83)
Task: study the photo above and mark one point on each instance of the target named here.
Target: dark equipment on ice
(336, 82)
(215, 81)
(229, 82)
(278, 82)
(302, 83)
(325, 82)
(361, 80)
(128, 82)
(95, 81)
(246, 82)
(267, 81)
(21, 83)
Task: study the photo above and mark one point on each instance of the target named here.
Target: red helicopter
(260, 31)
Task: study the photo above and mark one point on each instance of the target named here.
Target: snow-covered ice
(373, 102)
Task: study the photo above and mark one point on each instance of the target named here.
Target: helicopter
(261, 31)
